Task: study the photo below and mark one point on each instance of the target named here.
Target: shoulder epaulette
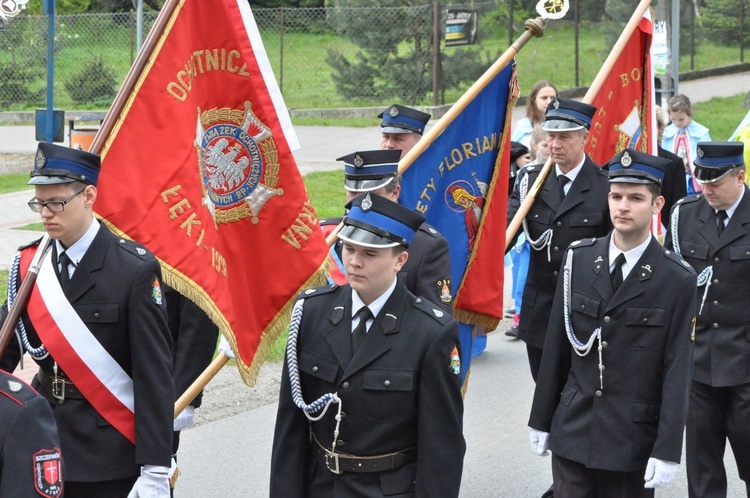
(430, 230)
(16, 389)
(30, 244)
(530, 168)
(678, 260)
(689, 199)
(135, 248)
(431, 310)
(317, 291)
(330, 221)
(582, 243)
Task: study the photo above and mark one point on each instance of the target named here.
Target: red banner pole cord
(523, 210)
(22, 298)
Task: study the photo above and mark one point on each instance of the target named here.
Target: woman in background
(541, 94)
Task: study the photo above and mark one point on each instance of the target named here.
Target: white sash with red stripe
(84, 360)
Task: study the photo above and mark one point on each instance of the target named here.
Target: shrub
(95, 83)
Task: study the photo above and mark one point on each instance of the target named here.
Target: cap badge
(556, 104)
(366, 203)
(700, 152)
(626, 160)
(40, 159)
(393, 111)
(358, 161)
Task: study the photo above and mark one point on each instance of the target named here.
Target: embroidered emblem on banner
(238, 162)
(48, 473)
(455, 364)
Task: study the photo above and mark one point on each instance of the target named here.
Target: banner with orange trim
(199, 168)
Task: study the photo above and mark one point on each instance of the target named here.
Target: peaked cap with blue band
(374, 221)
(631, 166)
(716, 159)
(568, 115)
(401, 119)
(55, 164)
(369, 170)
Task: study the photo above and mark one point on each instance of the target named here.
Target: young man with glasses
(96, 324)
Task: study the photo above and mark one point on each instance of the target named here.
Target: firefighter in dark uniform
(401, 127)
(571, 205)
(394, 425)
(30, 459)
(427, 273)
(611, 399)
(712, 232)
(96, 324)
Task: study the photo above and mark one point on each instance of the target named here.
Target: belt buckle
(58, 389)
(331, 456)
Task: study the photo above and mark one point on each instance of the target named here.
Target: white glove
(153, 483)
(659, 473)
(538, 440)
(185, 419)
(225, 347)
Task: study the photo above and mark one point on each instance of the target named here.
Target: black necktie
(358, 334)
(64, 272)
(720, 217)
(616, 275)
(561, 181)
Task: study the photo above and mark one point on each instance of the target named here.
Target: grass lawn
(13, 182)
(305, 77)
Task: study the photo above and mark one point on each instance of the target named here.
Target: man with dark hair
(96, 324)
(388, 359)
(427, 273)
(712, 232)
(571, 205)
(611, 396)
(401, 127)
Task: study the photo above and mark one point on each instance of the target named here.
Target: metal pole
(675, 46)
(576, 17)
(742, 30)
(692, 36)
(281, 50)
(49, 6)
(435, 53)
(510, 21)
(139, 26)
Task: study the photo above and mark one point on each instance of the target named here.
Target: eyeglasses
(53, 206)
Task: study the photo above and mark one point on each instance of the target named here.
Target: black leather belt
(59, 386)
(341, 462)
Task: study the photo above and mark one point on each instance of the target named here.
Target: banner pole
(200, 383)
(609, 62)
(534, 29)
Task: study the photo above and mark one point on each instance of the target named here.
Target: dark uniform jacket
(428, 268)
(30, 459)
(674, 186)
(646, 338)
(112, 290)
(397, 391)
(194, 338)
(722, 332)
(582, 214)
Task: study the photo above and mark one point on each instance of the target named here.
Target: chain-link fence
(350, 57)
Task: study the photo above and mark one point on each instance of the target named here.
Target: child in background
(682, 136)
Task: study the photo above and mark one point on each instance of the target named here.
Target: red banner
(624, 116)
(200, 170)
